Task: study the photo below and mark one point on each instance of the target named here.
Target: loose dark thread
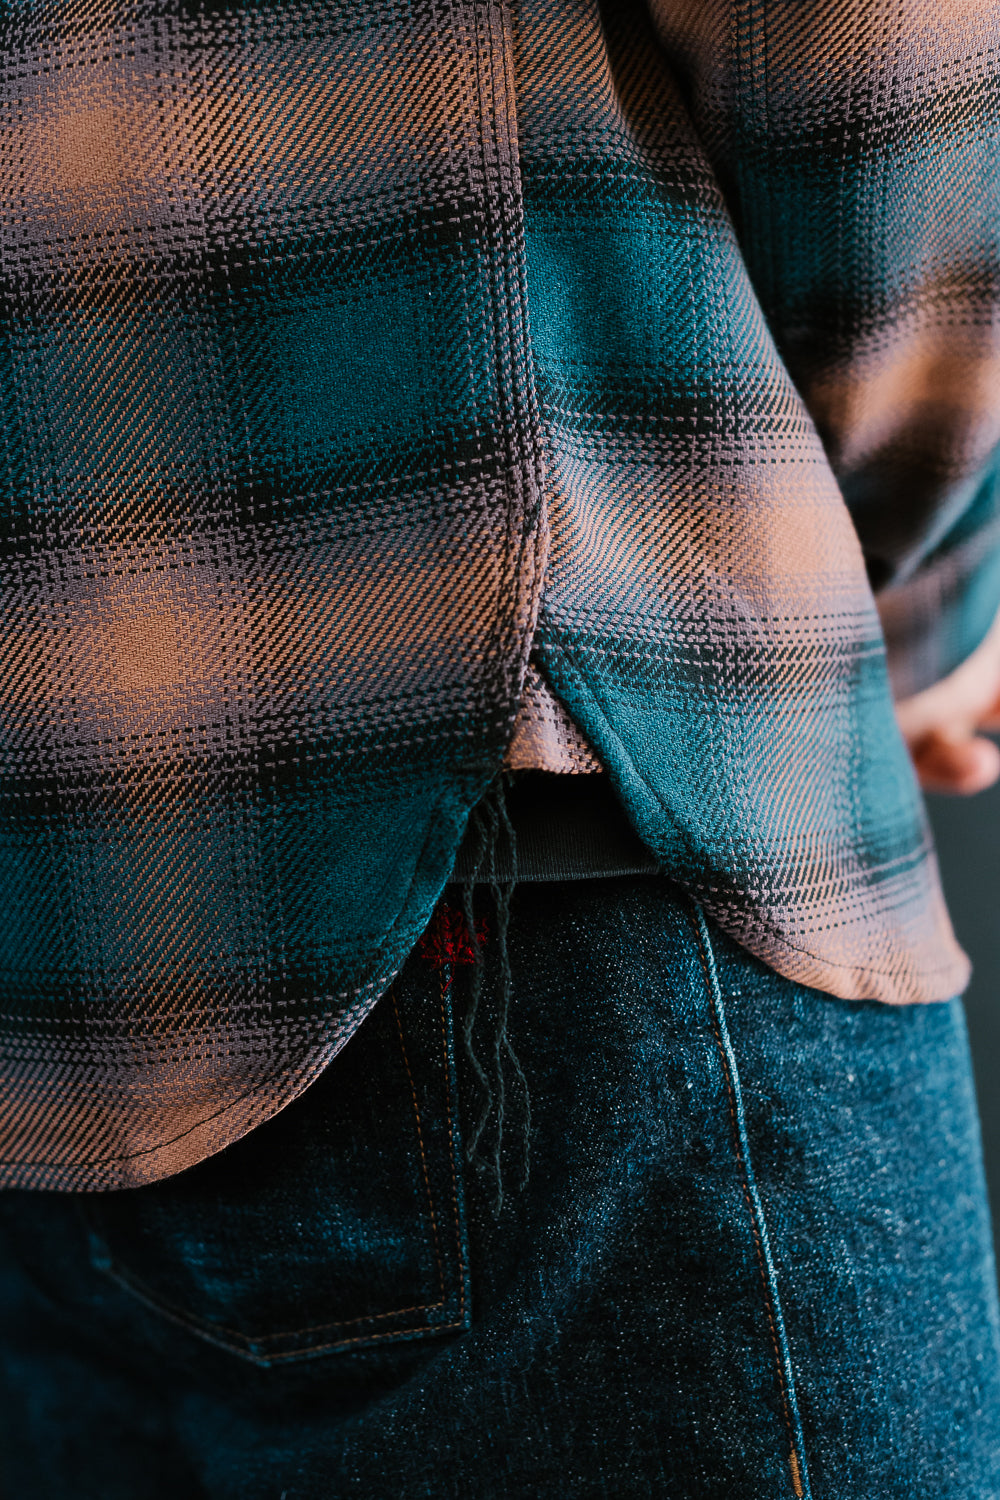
(487, 822)
(503, 1037)
(477, 826)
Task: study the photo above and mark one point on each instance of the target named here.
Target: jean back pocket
(337, 1225)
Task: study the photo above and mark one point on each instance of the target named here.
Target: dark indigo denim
(751, 1259)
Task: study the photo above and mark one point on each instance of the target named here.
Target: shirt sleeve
(858, 147)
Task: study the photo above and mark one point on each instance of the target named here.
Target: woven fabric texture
(545, 737)
(354, 350)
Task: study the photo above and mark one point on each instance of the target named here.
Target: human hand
(943, 725)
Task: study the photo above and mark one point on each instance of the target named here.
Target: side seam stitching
(762, 1243)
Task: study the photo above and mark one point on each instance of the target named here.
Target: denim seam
(755, 1207)
(245, 1348)
(423, 1165)
(240, 1343)
(426, 1307)
(459, 1322)
(445, 993)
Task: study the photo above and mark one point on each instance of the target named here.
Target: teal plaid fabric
(355, 349)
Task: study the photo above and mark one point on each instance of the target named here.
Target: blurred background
(968, 835)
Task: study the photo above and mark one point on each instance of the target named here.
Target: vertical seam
(423, 1153)
(445, 993)
(762, 1245)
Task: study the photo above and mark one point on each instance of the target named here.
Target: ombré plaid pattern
(271, 542)
(351, 350)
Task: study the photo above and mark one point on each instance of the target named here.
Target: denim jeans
(751, 1257)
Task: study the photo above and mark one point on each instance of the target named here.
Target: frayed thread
(488, 823)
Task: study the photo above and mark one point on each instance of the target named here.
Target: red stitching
(447, 941)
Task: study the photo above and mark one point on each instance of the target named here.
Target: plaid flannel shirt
(354, 350)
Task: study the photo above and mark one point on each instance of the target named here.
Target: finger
(961, 767)
(990, 721)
